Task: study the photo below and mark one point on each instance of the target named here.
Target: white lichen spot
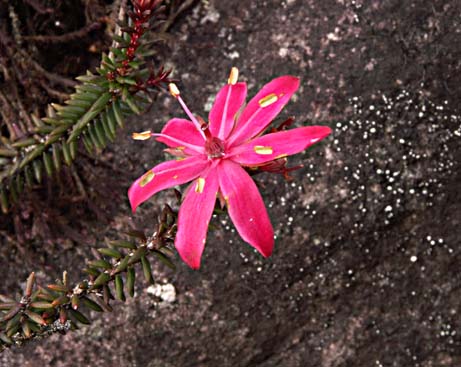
(166, 292)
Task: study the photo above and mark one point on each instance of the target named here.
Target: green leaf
(102, 279)
(8, 305)
(105, 126)
(13, 325)
(75, 302)
(35, 317)
(26, 331)
(123, 244)
(111, 122)
(91, 271)
(79, 102)
(41, 305)
(86, 96)
(61, 300)
(95, 109)
(87, 144)
(24, 143)
(110, 252)
(93, 138)
(4, 201)
(66, 153)
(37, 165)
(11, 313)
(123, 264)
(73, 149)
(130, 280)
(129, 100)
(30, 284)
(56, 134)
(28, 176)
(48, 164)
(87, 78)
(60, 288)
(119, 288)
(126, 80)
(32, 155)
(78, 316)
(7, 153)
(4, 338)
(117, 112)
(164, 259)
(137, 255)
(90, 88)
(100, 133)
(146, 268)
(103, 264)
(92, 305)
(57, 157)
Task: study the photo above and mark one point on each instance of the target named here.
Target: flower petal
(163, 176)
(246, 207)
(278, 145)
(262, 109)
(194, 217)
(182, 130)
(228, 102)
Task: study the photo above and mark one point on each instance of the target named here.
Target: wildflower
(214, 156)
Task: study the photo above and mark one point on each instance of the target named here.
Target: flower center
(214, 148)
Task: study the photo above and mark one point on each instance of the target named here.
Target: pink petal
(182, 130)
(246, 207)
(227, 103)
(163, 176)
(259, 112)
(194, 217)
(278, 145)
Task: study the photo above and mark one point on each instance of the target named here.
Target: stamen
(200, 185)
(191, 116)
(145, 135)
(174, 91)
(182, 144)
(281, 156)
(233, 76)
(268, 100)
(146, 178)
(259, 149)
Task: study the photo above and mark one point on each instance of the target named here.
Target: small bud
(174, 91)
(145, 135)
(233, 76)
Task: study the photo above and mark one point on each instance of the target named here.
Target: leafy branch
(61, 306)
(123, 85)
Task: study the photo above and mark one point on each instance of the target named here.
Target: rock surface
(366, 266)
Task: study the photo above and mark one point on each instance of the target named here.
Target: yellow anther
(233, 76)
(268, 100)
(174, 91)
(259, 149)
(175, 177)
(148, 177)
(142, 136)
(200, 185)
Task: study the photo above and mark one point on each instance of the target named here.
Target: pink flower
(214, 156)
